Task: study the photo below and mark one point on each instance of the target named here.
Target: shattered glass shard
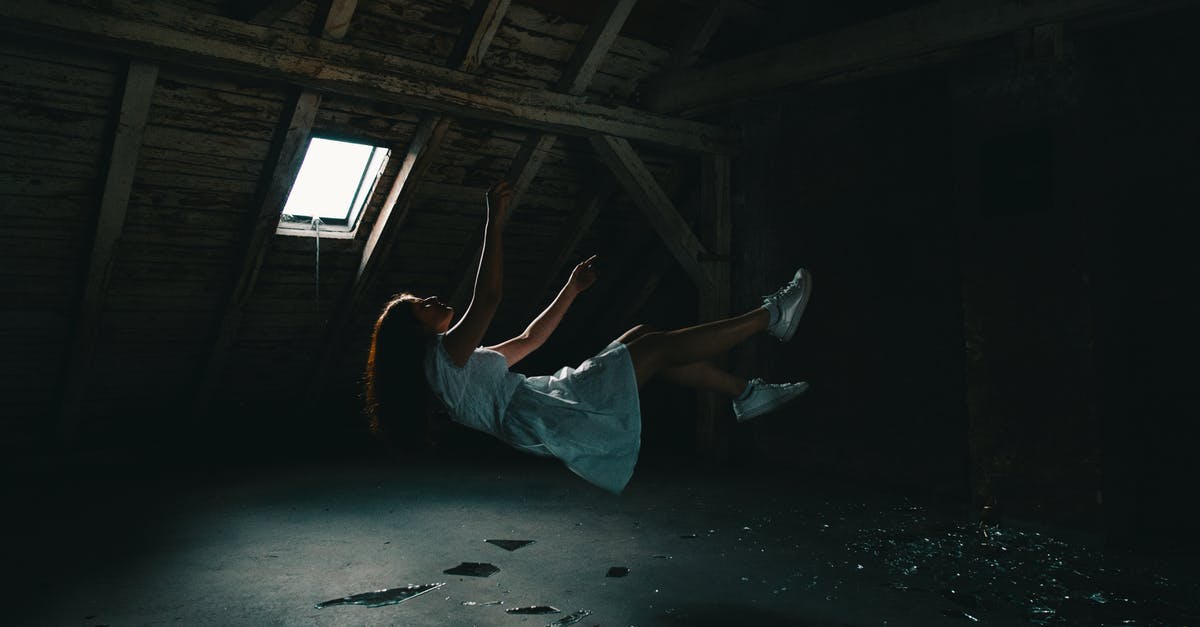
(473, 569)
(533, 609)
(510, 545)
(379, 598)
(571, 619)
(617, 571)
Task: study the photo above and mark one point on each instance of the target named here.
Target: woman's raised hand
(583, 276)
(499, 196)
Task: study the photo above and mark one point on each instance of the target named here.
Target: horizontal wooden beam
(908, 34)
(648, 195)
(169, 34)
(122, 163)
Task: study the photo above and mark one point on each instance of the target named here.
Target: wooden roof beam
(580, 71)
(114, 202)
(474, 40)
(174, 35)
(687, 50)
(639, 183)
(289, 145)
(907, 35)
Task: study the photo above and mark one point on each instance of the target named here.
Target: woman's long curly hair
(399, 402)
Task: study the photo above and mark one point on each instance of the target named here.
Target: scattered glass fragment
(510, 545)
(570, 619)
(661, 557)
(473, 569)
(481, 603)
(688, 536)
(533, 609)
(379, 598)
(1099, 597)
(617, 571)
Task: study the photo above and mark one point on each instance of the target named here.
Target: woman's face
(433, 313)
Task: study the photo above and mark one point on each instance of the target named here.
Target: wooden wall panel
(54, 117)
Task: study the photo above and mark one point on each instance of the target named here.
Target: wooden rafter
(477, 34)
(639, 183)
(592, 49)
(581, 68)
(688, 47)
(699, 31)
(174, 35)
(905, 35)
(284, 159)
(114, 202)
(715, 230)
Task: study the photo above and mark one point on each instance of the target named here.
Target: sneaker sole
(776, 404)
(791, 330)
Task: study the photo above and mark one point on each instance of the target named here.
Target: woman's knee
(636, 332)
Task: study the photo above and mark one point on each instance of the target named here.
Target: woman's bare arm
(462, 340)
(543, 326)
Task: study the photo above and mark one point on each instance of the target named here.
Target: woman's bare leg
(703, 375)
(655, 351)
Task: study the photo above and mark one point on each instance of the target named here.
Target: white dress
(588, 417)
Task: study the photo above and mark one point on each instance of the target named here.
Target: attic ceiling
(148, 149)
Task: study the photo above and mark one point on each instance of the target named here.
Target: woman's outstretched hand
(498, 197)
(583, 276)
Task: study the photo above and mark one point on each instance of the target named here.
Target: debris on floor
(534, 609)
(570, 619)
(481, 603)
(617, 571)
(379, 598)
(473, 569)
(510, 545)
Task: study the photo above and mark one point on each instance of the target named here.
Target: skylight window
(335, 181)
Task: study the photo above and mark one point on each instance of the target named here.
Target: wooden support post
(114, 202)
(639, 183)
(715, 232)
(289, 145)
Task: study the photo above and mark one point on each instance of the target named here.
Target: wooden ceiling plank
(907, 34)
(114, 202)
(649, 196)
(200, 40)
(261, 12)
(291, 139)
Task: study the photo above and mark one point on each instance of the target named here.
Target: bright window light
(335, 181)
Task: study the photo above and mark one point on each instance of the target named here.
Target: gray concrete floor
(262, 547)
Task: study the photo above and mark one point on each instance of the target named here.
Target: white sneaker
(788, 304)
(766, 397)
